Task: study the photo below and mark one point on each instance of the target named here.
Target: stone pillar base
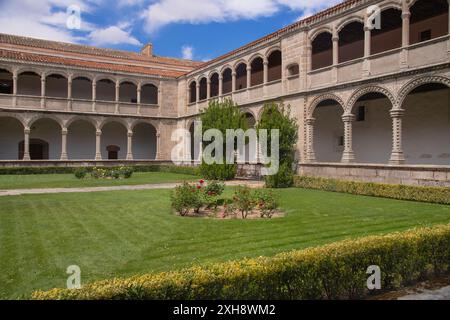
(397, 158)
(348, 157)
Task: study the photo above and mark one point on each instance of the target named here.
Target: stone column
(233, 81)
(43, 86)
(310, 156)
(69, 93)
(130, 145)
(348, 156)
(367, 51)
(448, 41)
(266, 76)
(117, 97)
(98, 145)
(220, 86)
(64, 133)
(249, 77)
(406, 15)
(26, 144)
(15, 78)
(208, 89)
(335, 49)
(158, 146)
(94, 96)
(197, 92)
(138, 98)
(397, 156)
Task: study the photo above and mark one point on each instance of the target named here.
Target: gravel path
(5, 193)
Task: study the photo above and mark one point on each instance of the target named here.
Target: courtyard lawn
(124, 233)
(9, 182)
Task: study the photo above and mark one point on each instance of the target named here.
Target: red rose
(199, 187)
(202, 181)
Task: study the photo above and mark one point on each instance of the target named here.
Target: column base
(397, 158)
(26, 157)
(64, 157)
(348, 157)
(311, 157)
(98, 157)
(130, 157)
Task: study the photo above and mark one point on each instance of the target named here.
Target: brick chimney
(147, 50)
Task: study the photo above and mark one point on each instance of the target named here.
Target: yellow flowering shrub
(399, 192)
(334, 271)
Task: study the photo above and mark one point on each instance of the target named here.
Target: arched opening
(106, 90)
(390, 35)
(203, 89)
(293, 70)
(82, 88)
(257, 71)
(56, 86)
(46, 134)
(144, 142)
(322, 51)
(11, 133)
(149, 94)
(426, 126)
(128, 92)
(328, 131)
(39, 149)
(275, 71)
(114, 134)
(351, 42)
(29, 84)
(193, 92)
(214, 85)
(241, 77)
(429, 20)
(227, 82)
(81, 140)
(6, 82)
(372, 129)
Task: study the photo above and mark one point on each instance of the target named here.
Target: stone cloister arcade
(58, 137)
(259, 70)
(376, 125)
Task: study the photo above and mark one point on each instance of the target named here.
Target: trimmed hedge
(335, 271)
(399, 192)
(71, 170)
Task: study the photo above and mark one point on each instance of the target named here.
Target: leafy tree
(278, 116)
(221, 116)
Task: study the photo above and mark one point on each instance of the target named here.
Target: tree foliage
(278, 116)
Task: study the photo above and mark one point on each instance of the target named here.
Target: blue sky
(192, 29)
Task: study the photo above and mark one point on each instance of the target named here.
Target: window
(425, 35)
(361, 116)
(293, 70)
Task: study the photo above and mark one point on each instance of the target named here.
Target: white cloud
(187, 52)
(163, 12)
(112, 36)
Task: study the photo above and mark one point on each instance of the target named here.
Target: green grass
(8, 182)
(123, 233)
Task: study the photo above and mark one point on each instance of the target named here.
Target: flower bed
(205, 200)
(105, 173)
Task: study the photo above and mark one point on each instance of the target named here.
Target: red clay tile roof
(41, 58)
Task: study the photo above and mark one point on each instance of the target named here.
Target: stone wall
(408, 175)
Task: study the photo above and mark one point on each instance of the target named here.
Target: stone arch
(118, 120)
(38, 117)
(390, 5)
(82, 75)
(413, 84)
(22, 70)
(73, 119)
(105, 77)
(239, 62)
(128, 79)
(149, 82)
(349, 20)
(225, 67)
(272, 50)
(315, 33)
(16, 116)
(365, 90)
(146, 121)
(8, 68)
(322, 98)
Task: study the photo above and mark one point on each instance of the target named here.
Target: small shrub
(185, 198)
(215, 188)
(81, 173)
(267, 203)
(244, 201)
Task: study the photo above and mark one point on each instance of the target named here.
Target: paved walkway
(19, 192)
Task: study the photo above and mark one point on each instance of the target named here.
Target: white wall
(11, 134)
(426, 128)
(327, 130)
(144, 142)
(49, 131)
(115, 134)
(81, 141)
(372, 138)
